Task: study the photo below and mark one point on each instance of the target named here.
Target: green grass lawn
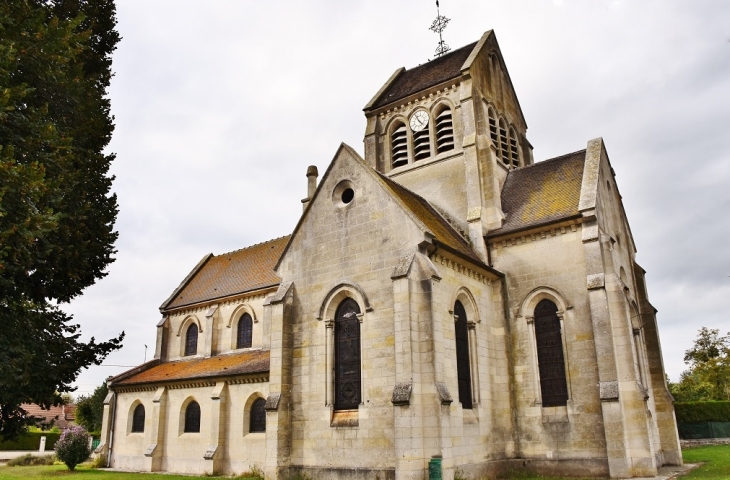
(716, 466)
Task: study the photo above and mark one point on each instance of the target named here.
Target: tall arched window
(245, 331)
(138, 419)
(192, 418)
(399, 145)
(463, 369)
(444, 131)
(257, 420)
(551, 362)
(347, 356)
(191, 340)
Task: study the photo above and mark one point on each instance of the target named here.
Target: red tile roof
(244, 270)
(256, 361)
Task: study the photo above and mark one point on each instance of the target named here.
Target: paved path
(667, 473)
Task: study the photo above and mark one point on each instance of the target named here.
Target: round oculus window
(343, 194)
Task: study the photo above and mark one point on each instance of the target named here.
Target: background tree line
(708, 376)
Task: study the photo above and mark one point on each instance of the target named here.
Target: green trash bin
(434, 469)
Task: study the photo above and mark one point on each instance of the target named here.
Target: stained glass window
(245, 331)
(191, 340)
(138, 419)
(258, 416)
(550, 358)
(192, 418)
(347, 356)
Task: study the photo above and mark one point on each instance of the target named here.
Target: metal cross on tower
(438, 26)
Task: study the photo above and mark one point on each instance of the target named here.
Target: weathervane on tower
(438, 26)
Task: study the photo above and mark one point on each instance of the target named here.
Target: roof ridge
(451, 52)
(526, 167)
(254, 245)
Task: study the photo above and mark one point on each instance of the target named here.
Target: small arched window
(553, 384)
(245, 331)
(444, 131)
(503, 142)
(399, 145)
(191, 340)
(138, 419)
(192, 418)
(257, 421)
(347, 356)
(514, 153)
(463, 369)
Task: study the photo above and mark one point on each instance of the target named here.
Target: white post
(42, 447)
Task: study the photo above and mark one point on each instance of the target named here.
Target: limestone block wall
(224, 423)
(218, 324)
(549, 264)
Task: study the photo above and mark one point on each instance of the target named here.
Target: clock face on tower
(419, 120)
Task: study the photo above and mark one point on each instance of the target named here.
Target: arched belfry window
(503, 142)
(514, 154)
(138, 419)
(192, 418)
(245, 331)
(463, 369)
(493, 132)
(347, 356)
(399, 145)
(444, 131)
(191, 340)
(421, 144)
(257, 422)
(551, 362)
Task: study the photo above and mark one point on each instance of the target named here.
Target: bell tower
(450, 130)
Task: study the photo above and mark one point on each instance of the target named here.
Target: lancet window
(245, 331)
(399, 145)
(347, 356)
(463, 369)
(192, 418)
(257, 422)
(444, 131)
(138, 419)
(550, 359)
(191, 340)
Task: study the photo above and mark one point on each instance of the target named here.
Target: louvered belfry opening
(444, 131)
(245, 331)
(550, 358)
(463, 369)
(347, 356)
(503, 142)
(421, 144)
(191, 340)
(493, 132)
(257, 420)
(399, 145)
(513, 152)
(192, 418)
(138, 419)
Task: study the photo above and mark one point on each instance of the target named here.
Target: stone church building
(443, 300)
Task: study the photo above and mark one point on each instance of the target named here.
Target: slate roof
(427, 75)
(542, 193)
(250, 268)
(429, 216)
(249, 362)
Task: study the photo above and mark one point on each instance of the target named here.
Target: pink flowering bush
(73, 446)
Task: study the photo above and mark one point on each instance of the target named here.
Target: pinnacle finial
(438, 26)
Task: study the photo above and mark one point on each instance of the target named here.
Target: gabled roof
(444, 232)
(241, 363)
(232, 273)
(542, 193)
(427, 75)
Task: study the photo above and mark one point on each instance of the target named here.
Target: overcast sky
(220, 107)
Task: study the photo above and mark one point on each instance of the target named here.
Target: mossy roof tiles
(243, 270)
(249, 362)
(427, 75)
(542, 193)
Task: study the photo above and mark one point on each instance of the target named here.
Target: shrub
(73, 447)
(27, 460)
(692, 412)
(254, 474)
(30, 441)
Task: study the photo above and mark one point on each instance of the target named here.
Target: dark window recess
(444, 131)
(258, 416)
(421, 145)
(513, 153)
(191, 340)
(192, 418)
(245, 331)
(493, 132)
(550, 358)
(503, 142)
(347, 356)
(138, 419)
(348, 195)
(399, 145)
(463, 369)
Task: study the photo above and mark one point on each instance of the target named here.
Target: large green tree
(708, 376)
(57, 212)
(90, 410)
